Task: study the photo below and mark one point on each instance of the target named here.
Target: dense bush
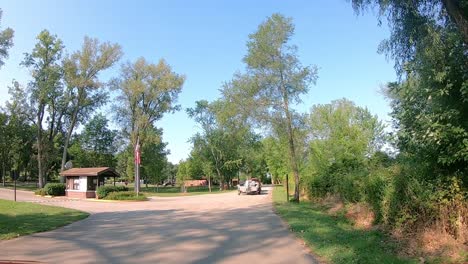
(125, 196)
(55, 189)
(40, 192)
(103, 191)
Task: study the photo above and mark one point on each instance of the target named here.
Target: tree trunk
(40, 172)
(209, 183)
(292, 147)
(67, 141)
(3, 173)
(292, 150)
(220, 179)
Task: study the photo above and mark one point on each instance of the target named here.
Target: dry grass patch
(433, 245)
(361, 215)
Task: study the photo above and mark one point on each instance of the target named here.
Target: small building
(83, 182)
(191, 183)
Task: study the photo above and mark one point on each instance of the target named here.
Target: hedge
(125, 196)
(55, 189)
(103, 191)
(40, 192)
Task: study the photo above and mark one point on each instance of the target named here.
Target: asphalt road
(213, 228)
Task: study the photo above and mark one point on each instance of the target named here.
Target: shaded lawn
(20, 186)
(21, 218)
(333, 237)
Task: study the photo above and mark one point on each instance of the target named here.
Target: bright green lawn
(333, 237)
(20, 218)
(175, 191)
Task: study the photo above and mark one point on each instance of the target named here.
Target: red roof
(90, 172)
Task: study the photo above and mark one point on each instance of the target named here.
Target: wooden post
(15, 188)
(287, 188)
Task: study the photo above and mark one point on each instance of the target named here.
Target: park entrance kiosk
(83, 182)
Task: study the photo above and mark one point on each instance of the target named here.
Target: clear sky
(206, 41)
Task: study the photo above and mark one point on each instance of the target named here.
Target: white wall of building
(83, 183)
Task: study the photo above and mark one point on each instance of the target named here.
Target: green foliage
(154, 160)
(429, 106)
(45, 98)
(183, 174)
(343, 136)
(96, 145)
(274, 81)
(16, 139)
(226, 145)
(103, 191)
(41, 192)
(6, 42)
(146, 92)
(277, 162)
(125, 196)
(55, 189)
(85, 91)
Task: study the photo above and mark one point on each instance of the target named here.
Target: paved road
(214, 228)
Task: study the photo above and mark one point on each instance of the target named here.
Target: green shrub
(40, 192)
(350, 186)
(103, 191)
(125, 196)
(55, 189)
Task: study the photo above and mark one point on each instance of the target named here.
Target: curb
(114, 201)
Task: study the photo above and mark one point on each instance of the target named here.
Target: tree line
(255, 130)
(413, 178)
(39, 123)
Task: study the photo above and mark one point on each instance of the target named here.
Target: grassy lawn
(333, 238)
(21, 186)
(20, 218)
(175, 191)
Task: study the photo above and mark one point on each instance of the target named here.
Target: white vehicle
(249, 187)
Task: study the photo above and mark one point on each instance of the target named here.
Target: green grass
(20, 218)
(20, 186)
(333, 238)
(175, 191)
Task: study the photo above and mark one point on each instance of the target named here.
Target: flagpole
(137, 166)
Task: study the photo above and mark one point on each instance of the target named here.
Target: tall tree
(45, 93)
(6, 41)
(414, 13)
(17, 140)
(183, 174)
(342, 132)
(146, 92)
(96, 145)
(217, 144)
(154, 159)
(430, 101)
(81, 75)
(274, 81)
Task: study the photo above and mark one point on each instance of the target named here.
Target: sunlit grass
(333, 238)
(20, 218)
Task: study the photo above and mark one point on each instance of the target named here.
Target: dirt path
(217, 228)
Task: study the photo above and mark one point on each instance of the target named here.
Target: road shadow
(163, 236)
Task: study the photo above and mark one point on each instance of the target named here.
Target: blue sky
(206, 41)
